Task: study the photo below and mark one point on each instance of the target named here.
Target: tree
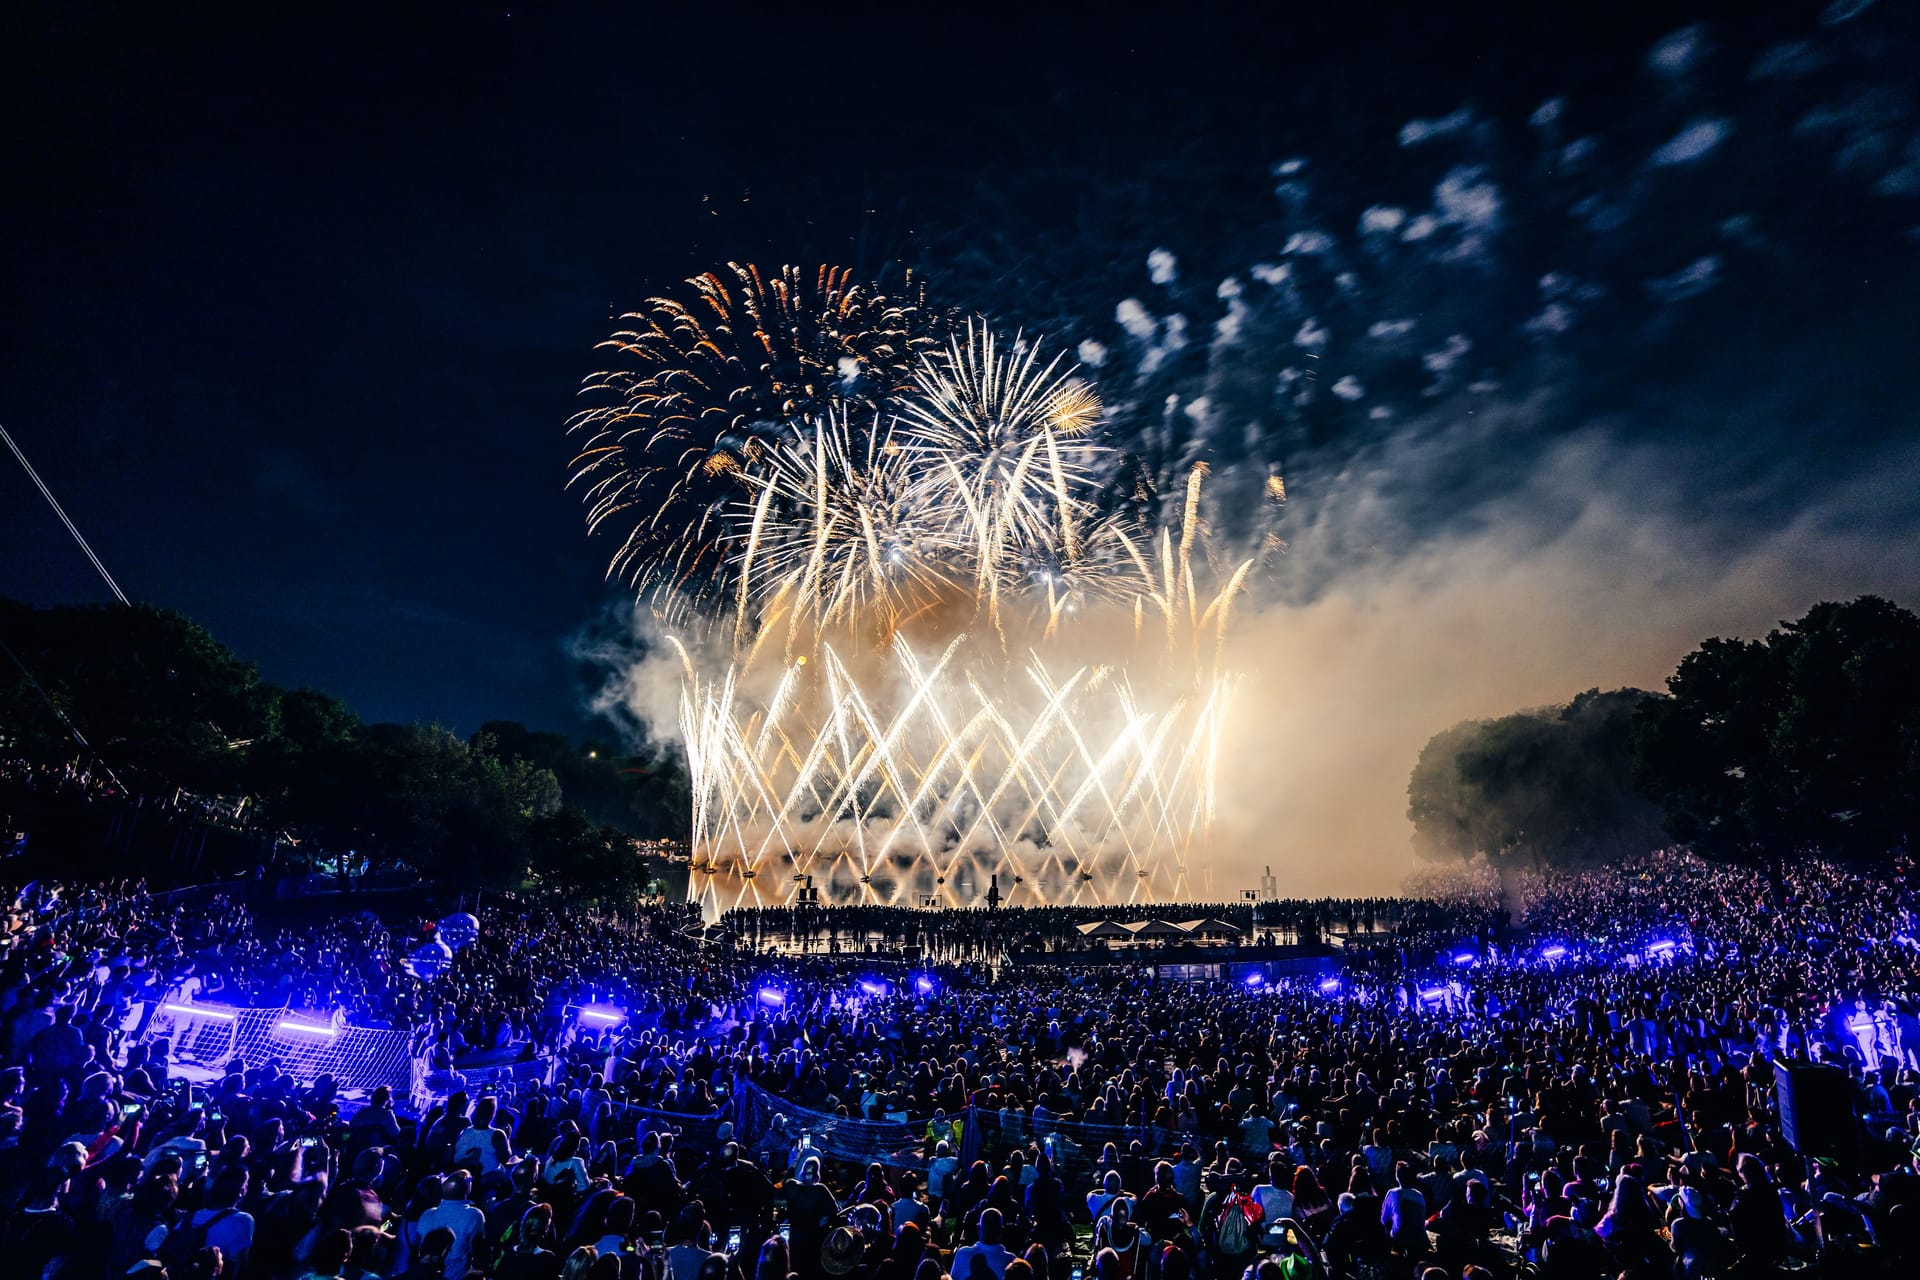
(643, 794)
(306, 730)
(1806, 742)
(154, 694)
(388, 795)
(1446, 816)
(576, 859)
(1551, 787)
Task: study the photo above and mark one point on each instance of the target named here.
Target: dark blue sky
(296, 301)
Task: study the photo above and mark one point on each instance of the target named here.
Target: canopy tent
(1155, 929)
(1211, 927)
(1104, 929)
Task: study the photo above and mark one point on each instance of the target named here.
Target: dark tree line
(151, 696)
(1546, 787)
(1803, 743)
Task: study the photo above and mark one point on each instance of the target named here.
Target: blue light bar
(304, 1028)
(201, 1011)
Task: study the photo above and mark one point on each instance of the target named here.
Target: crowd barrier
(208, 1036)
(360, 1059)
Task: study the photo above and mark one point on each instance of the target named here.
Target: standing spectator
(1403, 1212)
(466, 1223)
(986, 1258)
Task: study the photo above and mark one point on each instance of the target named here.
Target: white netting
(207, 1037)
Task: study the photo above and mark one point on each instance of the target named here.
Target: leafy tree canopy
(1807, 741)
(1549, 787)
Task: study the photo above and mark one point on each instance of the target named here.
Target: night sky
(296, 301)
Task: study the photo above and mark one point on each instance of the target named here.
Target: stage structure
(936, 642)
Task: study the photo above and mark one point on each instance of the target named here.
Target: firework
(707, 385)
(980, 496)
(912, 657)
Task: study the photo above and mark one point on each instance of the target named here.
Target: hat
(842, 1251)
(725, 1132)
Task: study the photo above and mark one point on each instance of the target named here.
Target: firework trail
(908, 657)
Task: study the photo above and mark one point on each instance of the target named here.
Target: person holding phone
(687, 1251)
(810, 1210)
(618, 1239)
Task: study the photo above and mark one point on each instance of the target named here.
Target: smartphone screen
(784, 1232)
(733, 1240)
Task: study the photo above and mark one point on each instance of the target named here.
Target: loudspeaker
(1816, 1110)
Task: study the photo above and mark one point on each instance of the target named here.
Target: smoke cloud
(1593, 571)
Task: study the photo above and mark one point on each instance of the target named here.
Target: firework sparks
(946, 554)
(707, 385)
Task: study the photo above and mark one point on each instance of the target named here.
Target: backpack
(1236, 1229)
(185, 1241)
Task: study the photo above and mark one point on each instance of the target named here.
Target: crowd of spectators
(1568, 1074)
